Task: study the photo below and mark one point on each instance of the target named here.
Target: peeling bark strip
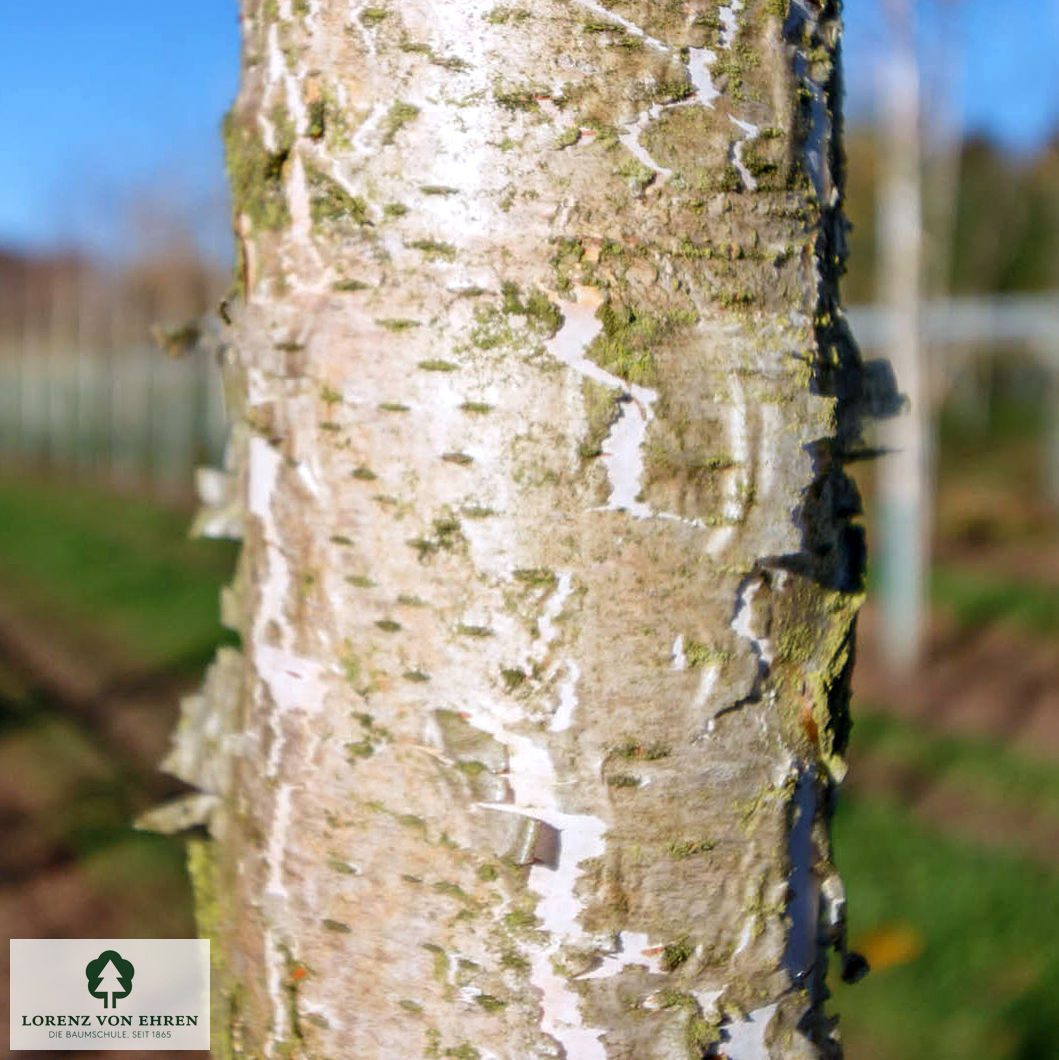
(541, 400)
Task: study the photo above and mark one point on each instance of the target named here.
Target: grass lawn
(986, 980)
(69, 847)
(993, 772)
(111, 571)
(114, 579)
(978, 599)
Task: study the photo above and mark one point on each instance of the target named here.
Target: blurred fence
(957, 334)
(952, 336)
(86, 393)
(131, 416)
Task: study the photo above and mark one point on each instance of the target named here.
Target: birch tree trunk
(541, 399)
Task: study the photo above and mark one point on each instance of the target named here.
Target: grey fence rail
(133, 415)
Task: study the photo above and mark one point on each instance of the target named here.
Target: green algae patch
(330, 203)
(602, 409)
(398, 116)
(541, 313)
(624, 347)
(433, 249)
(256, 176)
(693, 142)
(372, 16)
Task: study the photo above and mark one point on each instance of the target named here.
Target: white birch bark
(547, 590)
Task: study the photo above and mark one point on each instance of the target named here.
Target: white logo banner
(110, 994)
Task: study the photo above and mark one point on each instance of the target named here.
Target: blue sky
(103, 99)
(993, 64)
(107, 102)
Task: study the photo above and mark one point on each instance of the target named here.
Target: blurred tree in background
(1005, 233)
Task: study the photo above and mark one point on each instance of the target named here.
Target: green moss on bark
(330, 203)
(256, 175)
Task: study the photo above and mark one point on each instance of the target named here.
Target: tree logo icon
(110, 977)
